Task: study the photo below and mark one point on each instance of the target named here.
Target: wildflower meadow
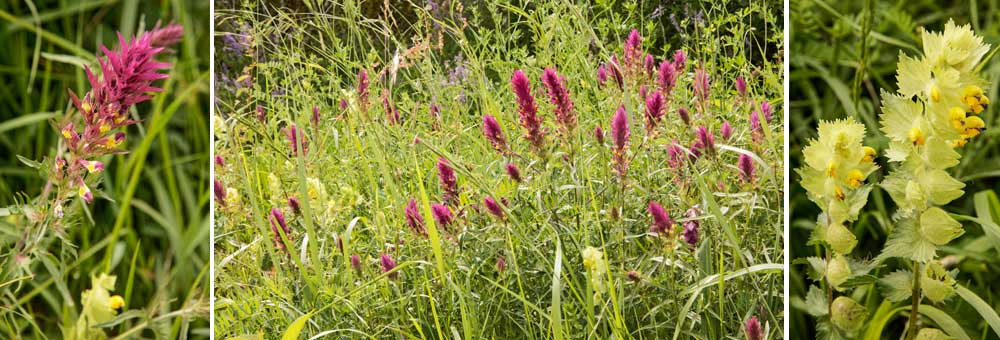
(104, 199)
(895, 214)
(449, 169)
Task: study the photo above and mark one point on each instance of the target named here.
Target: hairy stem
(912, 326)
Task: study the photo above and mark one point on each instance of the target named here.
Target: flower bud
(838, 271)
(841, 239)
(847, 314)
(932, 334)
(939, 228)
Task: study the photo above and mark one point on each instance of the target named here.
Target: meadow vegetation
(497, 169)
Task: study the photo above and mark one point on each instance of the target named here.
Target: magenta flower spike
(528, 111)
(691, 226)
(706, 140)
(261, 115)
(661, 221)
(633, 50)
(634, 276)
(765, 108)
(493, 133)
(619, 136)
(315, 116)
(741, 86)
(756, 131)
(277, 219)
(655, 107)
(294, 204)
(442, 215)
(616, 72)
(599, 135)
(667, 77)
(296, 137)
(493, 207)
(449, 184)
(745, 164)
(680, 60)
(559, 97)
(388, 264)
(414, 219)
(727, 131)
(220, 192)
(685, 115)
(602, 75)
(363, 89)
(753, 330)
(675, 155)
(356, 263)
(649, 64)
(220, 162)
(701, 83)
(501, 264)
(513, 172)
(343, 104)
(391, 113)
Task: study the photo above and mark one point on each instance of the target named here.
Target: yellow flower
(869, 154)
(855, 178)
(973, 97)
(916, 136)
(116, 302)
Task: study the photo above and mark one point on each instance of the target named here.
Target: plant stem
(912, 326)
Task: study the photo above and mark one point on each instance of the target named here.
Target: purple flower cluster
(530, 119)
(449, 184)
(559, 97)
(655, 107)
(415, 219)
(127, 76)
(277, 219)
(619, 136)
(661, 221)
(493, 133)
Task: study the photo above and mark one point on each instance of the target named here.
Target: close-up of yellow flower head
(837, 165)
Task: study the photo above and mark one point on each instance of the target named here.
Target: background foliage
(826, 84)
(159, 190)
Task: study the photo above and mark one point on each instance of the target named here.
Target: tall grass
(353, 181)
(149, 222)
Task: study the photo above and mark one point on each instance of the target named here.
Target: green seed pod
(838, 271)
(939, 228)
(847, 314)
(932, 334)
(841, 239)
(936, 284)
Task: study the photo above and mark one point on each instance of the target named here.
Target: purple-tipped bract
(559, 97)
(528, 110)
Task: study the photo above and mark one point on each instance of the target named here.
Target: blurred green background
(826, 54)
(157, 195)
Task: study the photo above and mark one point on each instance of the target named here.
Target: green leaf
(25, 120)
(816, 302)
(906, 242)
(984, 309)
(556, 319)
(897, 286)
(29, 163)
(128, 315)
(945, 322)
(292, 333)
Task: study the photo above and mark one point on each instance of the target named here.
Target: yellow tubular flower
(916, 136)
(960, 142)
(831, 169)
(957, 117)
(869, 154)
(855, 178)
(839, 193)
(935, 94)
(973, 97)
(116, 302)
